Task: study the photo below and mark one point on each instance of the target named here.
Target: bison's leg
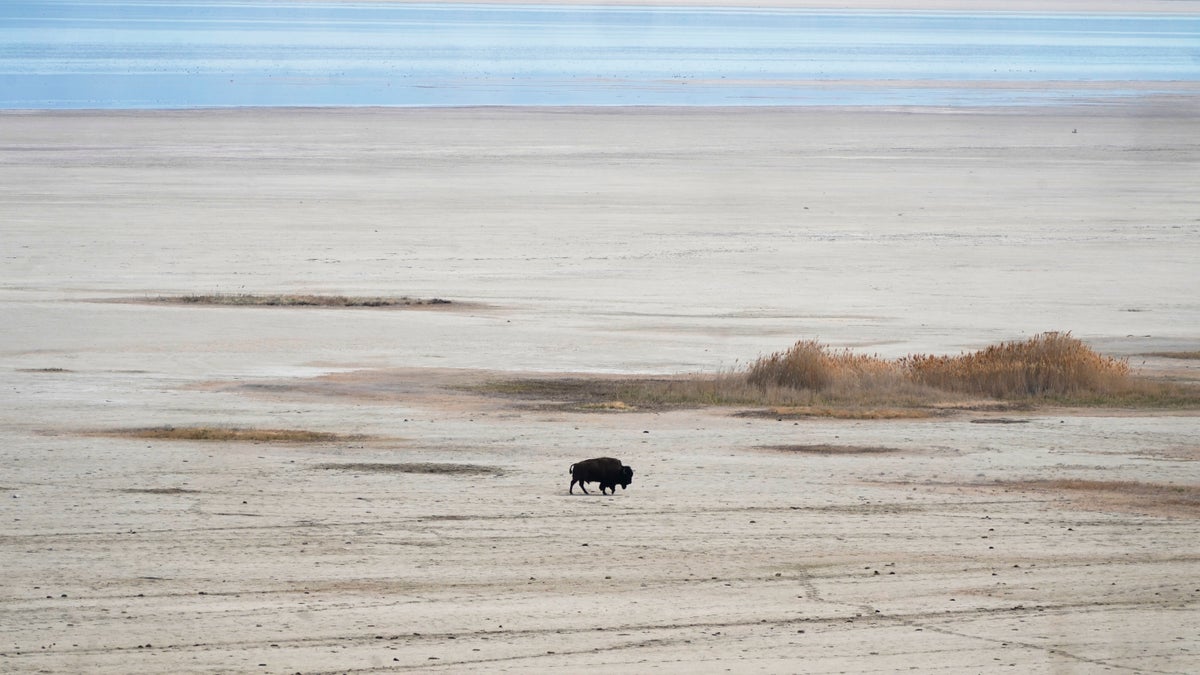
(581, 487)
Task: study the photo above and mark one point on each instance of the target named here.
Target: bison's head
(626, 476)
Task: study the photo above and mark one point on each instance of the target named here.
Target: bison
(606, 471)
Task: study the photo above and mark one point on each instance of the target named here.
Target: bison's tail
(571, 470)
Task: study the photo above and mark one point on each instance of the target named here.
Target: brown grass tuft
(230, 434)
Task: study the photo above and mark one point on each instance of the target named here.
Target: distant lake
(120, 54)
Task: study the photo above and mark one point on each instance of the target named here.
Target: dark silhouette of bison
(606, 471)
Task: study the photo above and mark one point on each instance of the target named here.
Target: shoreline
(1180, 104)
(1099, 95)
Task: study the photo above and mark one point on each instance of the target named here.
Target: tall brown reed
(808, 364)
(1046, 364)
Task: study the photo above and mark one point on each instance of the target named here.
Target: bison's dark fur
(606, 471)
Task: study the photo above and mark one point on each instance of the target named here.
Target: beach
(433, 529)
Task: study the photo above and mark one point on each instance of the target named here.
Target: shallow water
(133, 54)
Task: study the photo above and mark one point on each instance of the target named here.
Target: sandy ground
(598, 241)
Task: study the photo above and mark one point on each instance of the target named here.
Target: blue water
(165, 54)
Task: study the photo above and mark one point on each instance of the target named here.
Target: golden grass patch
(809, 364)
(1046, 364)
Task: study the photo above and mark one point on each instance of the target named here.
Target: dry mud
(751, 545)
(434, 532)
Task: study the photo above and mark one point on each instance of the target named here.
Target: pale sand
(650, 240)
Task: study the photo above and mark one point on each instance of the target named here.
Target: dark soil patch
(296, 300)
(1175, 355)
(1129, 496)
(230, 434)
(824, 449)
(160, 491)
(415, 467)
(847, 413)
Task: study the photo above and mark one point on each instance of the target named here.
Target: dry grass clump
(1046, 364)
(811, 365)
(231, 434)
(296, 300)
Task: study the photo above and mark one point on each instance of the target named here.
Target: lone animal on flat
(606, 471)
